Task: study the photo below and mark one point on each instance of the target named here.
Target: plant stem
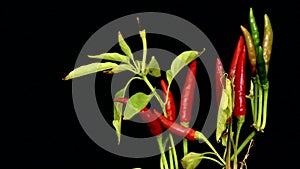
(185, 141)
(144, 77)
(171, 158)
(162, 152)
(173, 150)
(201, 136)
(228, 146)
(260, 107)
(255, 83)
(245, 142)
(265, 106)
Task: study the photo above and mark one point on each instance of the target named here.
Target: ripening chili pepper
(252, 55)
(254, 29)
(238, 49)
(176, 128)
(187, 97)
(267, 41)
(220, 80)
(239, 110)
(148, 117)
(170, 105)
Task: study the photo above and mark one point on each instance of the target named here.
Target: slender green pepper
(254, 29)
(267, 41)
(261, 69)
(252, 55)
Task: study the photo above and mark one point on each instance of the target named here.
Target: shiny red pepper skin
(187, 97)
(148, 117)
(176, 128)
(237, 52)
(240, 86)
(170, 105)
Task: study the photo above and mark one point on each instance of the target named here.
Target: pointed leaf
(135, 104)
(89, 69)
(225, 111)
(124, 46)
(191, 160)
(153, 67)
(182, 60)
(121, 68)
(117, 125)
(111, 56)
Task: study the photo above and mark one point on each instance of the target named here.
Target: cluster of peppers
(231, 96)
(231, 88)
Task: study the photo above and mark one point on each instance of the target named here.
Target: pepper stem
(162, 153)
(185, 141)
(265, 106)
(200, 136)
(245, 142)
(260, 107)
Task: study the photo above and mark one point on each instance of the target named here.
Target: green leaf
(143, 37)
(124, 46)
(118, 108)
(191, 160)
(123, 67)
(111, 56)
(180, 61)
(135, 104)
(224, 112)
(153, 67)
(89, 69)
(117, 125)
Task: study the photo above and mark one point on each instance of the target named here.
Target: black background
(42, 41)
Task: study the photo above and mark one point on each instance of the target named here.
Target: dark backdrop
(41, 42)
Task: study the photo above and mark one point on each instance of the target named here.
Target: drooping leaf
(180, 61)
(122, 67)
(111, 56)
(89, 69)
(135, 104)
(191, 160)
(153, 67)
(118, 108)
(224, 111)
(124, 46)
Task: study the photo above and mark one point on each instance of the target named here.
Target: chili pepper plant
(248, 70)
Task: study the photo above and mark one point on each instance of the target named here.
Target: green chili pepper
(261, 69)
(267, 41)
(254, 29)
(252, 55)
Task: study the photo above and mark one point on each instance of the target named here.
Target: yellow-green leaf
(124, 46)
(111, 56)
(153, 67)
(225, 111)
(135, 104)
(89, 69)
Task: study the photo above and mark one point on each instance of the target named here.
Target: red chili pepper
(240, 86)
(238, 49)
(176, 128)
(220, 80)
(187, 97)
(148, 117)
(170, 105)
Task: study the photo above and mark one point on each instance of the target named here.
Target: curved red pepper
(187, 97)
(148, 117)
(176, 128)
(170, 105)
(237, 52)
(240, 86)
